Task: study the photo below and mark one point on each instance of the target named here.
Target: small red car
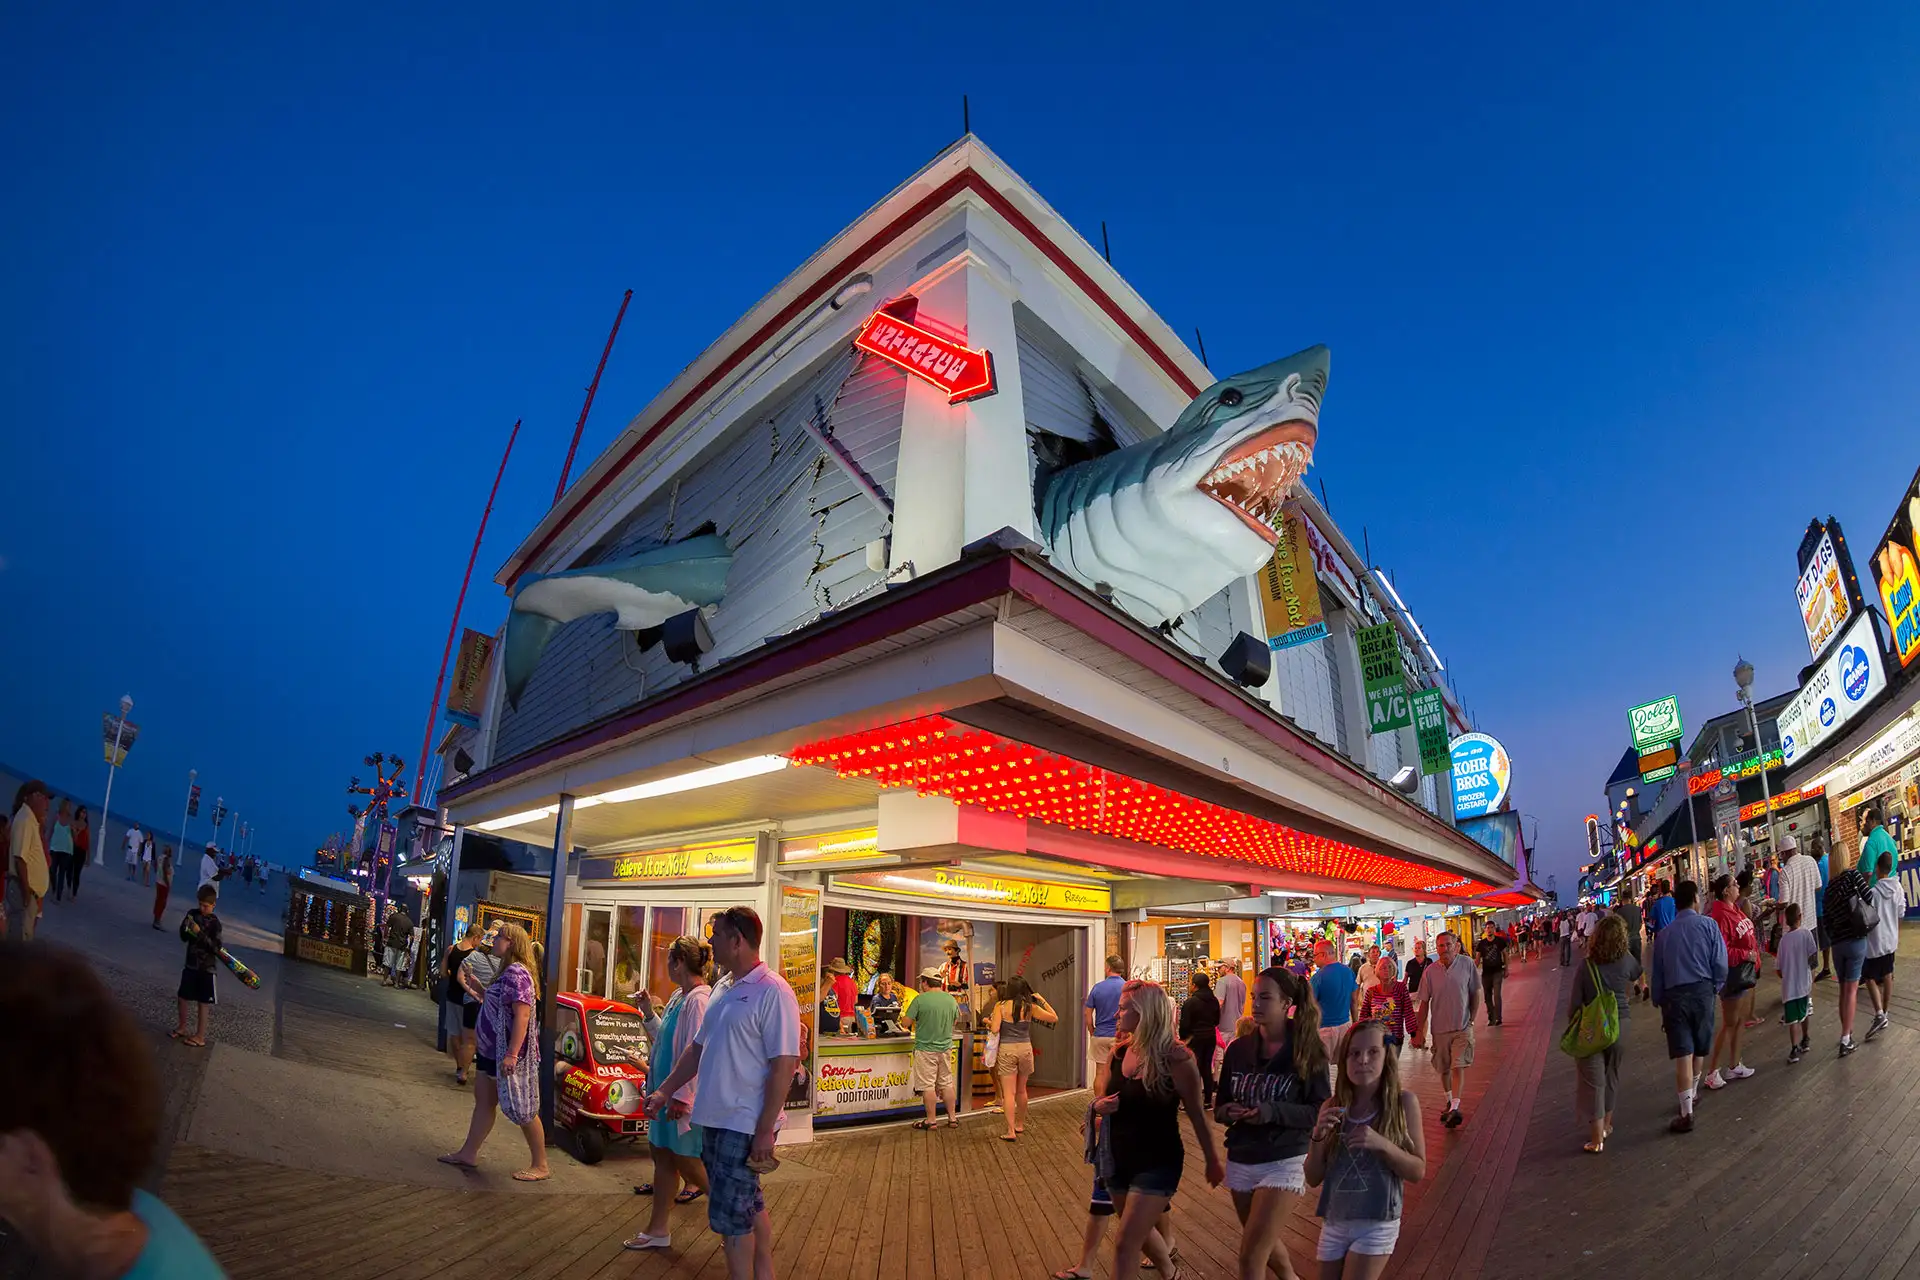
(599, 1072)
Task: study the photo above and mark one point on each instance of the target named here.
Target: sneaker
(1739, 1071)
(1453, 1119)
(1847, 1046)
(1681, 1124)
(1879, 1025)
(1795, 1054)
(1713, 1081)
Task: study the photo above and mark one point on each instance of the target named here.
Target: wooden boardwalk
(862, 1205)
(1801, 1171)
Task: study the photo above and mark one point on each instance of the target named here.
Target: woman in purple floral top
(507, 1052)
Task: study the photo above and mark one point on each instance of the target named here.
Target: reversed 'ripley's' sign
(961, 372)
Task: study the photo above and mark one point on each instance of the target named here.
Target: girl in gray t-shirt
(1367, 1145)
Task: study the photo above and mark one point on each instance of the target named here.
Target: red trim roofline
(967, 179)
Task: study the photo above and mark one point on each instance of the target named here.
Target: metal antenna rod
(966, 116)
(1106, 249)
(1203, 346)
(567, 466)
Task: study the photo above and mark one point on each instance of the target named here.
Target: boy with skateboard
(200, 930)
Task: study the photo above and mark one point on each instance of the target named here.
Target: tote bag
(1595, 1025)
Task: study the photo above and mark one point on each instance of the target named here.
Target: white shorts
(1286, 1175)
(1341, 1236)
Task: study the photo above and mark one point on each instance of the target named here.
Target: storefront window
(570, 951)
(593, 958)
(668, 924)
(569, 1040)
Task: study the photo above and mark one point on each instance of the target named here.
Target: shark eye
(1231, 397)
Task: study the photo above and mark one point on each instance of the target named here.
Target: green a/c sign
(1655, 723)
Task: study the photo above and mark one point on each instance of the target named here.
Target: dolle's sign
(961, 372)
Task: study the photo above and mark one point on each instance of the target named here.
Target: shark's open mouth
(1253, 480)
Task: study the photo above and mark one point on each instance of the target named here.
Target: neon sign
(1704, 779)
(961, 372)
(1748, 812)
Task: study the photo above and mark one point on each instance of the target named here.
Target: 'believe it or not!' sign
(1481, 774)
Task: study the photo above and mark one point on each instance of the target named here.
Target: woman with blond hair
(1140, 1094)
(507, 1051)
(1367, 1146)
(674, 1139)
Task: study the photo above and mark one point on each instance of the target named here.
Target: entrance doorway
(1049, 959)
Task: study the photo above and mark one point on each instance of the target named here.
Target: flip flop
(456, 1162)
(1008, 1137)
(1072, 1273)
(645, 1241)
(192, 1043)
(176, 1035)
(644, 1189)
(688, 1195)
(1593, 1148)
(528, 1175)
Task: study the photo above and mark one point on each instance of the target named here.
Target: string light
(938, 757)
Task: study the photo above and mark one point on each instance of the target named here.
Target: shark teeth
(1256, 484)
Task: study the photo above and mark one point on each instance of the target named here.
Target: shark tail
(527, 636)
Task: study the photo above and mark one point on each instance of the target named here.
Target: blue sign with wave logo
(1855, 672)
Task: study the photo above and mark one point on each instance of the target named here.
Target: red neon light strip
(936, 756)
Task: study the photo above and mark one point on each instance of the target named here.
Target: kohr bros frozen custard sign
(1481, 774)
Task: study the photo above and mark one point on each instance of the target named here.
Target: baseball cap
(1788, 844)
(931, 974)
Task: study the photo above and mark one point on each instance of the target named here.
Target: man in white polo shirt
(744, 1058)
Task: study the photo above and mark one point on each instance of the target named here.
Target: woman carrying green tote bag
(1596, 1028)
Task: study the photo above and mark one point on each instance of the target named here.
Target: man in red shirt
(846, 996)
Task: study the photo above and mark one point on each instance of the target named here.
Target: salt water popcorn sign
(1482, 772)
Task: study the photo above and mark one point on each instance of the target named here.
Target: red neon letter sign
(961, 372)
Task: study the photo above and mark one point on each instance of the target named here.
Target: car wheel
(590, 1144)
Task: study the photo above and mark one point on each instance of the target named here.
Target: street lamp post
(185, 812)
(113, 765)
(1693, 819)
(1743, 676)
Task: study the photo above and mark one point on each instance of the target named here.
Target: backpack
(1595, 1025)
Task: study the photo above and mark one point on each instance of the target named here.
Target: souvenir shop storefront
(885, 925)
(804, 637)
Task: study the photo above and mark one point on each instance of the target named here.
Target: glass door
(590, 975)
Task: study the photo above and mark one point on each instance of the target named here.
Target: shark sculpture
(641, 593)
(1167, 523)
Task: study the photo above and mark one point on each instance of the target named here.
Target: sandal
(193, 1042)
(922, 1125)
(176, 1035)
(1594, 1148)
(953, 1124)
(688, 1195)
(1008, 1137)
(1072, 1273)
(644, 1189)
(645, 1241)
(456, 1161)
(532, 1175)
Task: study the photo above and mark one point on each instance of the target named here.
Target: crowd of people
(1701, 963)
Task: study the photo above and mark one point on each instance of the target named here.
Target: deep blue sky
(1617, 300)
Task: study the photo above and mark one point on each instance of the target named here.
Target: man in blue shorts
(1689, 968)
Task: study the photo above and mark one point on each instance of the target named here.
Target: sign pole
(185, 814)
(113, 764)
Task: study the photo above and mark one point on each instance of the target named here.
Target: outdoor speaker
(462, 762)
(1248, 661)
(685, 637)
